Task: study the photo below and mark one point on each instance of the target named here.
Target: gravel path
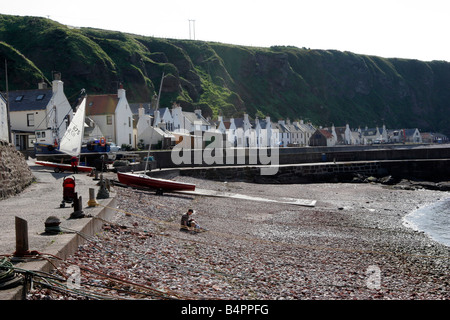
(351, 245)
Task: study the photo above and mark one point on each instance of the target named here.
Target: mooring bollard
(52, 225)
(102, 192)
(77, 205)
(92, 202)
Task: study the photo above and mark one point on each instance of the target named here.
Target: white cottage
(152, 129)
(144, 122)
(40, 115)
(112, 113)
(348, 137)
(241, 132)
(163, 118)
(306, 130)
(266, 135)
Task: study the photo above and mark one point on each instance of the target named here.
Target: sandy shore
(351, 245)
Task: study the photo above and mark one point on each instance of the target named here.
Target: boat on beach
(145, 181)
(61, 167)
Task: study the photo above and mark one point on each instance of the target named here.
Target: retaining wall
(313, 155)
(15, 175)
(430, 170)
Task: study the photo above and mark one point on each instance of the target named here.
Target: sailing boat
(71, 142)
(142, 180)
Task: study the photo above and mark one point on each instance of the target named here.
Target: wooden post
(76, 203)
(77, 206)
(21, 237)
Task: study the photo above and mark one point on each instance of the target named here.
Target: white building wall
(57, 111)
(19, 120)
(178, 118)
(168, 120)
(63, 108)
(143, 124)
(4, 134)
(107, 129)
(124, 121)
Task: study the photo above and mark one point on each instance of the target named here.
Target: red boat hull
(63, 166)
(140, 180)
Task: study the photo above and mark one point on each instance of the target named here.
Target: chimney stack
(42, 85)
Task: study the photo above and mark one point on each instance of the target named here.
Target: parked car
(114, 148)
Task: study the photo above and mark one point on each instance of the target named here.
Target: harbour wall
(199, 158)
(431, 170)
(435, 170)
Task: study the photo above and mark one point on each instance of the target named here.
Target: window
(19, 98)
(109, 120)
(40, 134)
(129, 122)
(40, 97)
(30, 120)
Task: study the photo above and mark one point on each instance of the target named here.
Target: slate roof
(135, 107)
(239, 122)
(162, 111)
(27, 100)
(281, 127)
(193, 117)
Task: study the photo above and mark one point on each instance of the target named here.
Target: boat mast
(151, 135)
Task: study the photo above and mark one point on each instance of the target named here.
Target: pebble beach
(352, 244)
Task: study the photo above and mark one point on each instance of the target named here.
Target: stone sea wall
(15, 175)
(435, 170)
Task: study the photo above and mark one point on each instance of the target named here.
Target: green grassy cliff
(282, 82)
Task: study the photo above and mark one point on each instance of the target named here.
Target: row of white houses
(42, 115)
(164, 124)
(244, 132)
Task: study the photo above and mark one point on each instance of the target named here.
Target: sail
(71, 141)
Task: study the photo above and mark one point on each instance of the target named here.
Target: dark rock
(389, 180)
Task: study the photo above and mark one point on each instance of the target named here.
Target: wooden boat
(61, 167)
(144, 181)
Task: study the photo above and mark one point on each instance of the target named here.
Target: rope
(8, 278)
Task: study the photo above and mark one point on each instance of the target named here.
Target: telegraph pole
(191, 22)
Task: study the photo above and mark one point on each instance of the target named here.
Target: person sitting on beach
(188, 223)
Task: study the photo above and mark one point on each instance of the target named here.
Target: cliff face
(282, 82)
(15, 175)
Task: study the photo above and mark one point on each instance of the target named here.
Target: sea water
(433, 219)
